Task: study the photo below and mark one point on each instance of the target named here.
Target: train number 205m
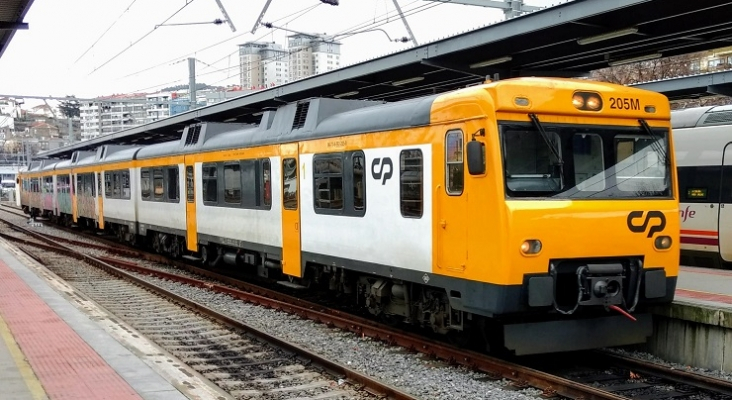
(624, 103)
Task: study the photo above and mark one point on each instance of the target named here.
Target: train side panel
(118, 192)
(254, 229)
(161, 215)
(699, 154)
(381, 235)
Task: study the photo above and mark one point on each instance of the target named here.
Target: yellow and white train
(539, 213)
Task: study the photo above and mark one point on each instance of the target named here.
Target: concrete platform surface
(57, 344)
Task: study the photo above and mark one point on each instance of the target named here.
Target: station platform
(57, 344)
(705, 286)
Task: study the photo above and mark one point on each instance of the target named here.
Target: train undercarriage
(410, 304)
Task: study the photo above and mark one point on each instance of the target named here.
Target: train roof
(63, 164)
(312, 119)
(320, 118)
(701, 116)
(49, 166)
(116, 153)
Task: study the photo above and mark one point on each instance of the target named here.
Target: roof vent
(193, 134)
(300, 115)
(718, 118)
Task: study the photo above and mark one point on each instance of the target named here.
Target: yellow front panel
(575, 229)
(291, 256)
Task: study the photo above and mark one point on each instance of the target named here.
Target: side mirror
(476, 157)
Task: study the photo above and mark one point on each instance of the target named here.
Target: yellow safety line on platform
(29, 377)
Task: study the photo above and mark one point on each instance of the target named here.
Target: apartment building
(312, 55)
(112, 114)
(262, 64)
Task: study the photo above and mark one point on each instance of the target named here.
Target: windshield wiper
(544, 136)
(658, 146)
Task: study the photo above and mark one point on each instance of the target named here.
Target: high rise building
(312, 55)
(112, 114)
(262, 64)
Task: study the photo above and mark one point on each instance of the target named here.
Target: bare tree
(645, 71)
(663, 68)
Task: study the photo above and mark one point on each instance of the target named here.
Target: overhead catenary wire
(356, 29)
(378, 21)
(303, 11)
(383, 19)
(188, 2)
(105, 32)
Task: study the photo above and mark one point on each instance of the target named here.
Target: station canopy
(567, 40)
(12, 13)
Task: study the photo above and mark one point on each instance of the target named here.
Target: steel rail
(363, 381)
(674, 375)
(495, 368)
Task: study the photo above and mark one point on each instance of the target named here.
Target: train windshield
(593, 162)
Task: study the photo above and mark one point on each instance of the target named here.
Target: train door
(451, 207)
(74, 197)
(191, 225)
(291, 257)
(725, 206)
(100, 197)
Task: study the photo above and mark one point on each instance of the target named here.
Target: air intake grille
(193, 134)
(718, 118)
(300, 115)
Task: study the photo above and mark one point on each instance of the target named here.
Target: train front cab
(573, 225)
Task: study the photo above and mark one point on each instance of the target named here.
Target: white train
(703, 146)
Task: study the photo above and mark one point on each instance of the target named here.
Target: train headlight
(578, 101)
(531, 246)
(593, 103)
(663, 242)
(587, 101)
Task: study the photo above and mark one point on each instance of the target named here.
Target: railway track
(240, 359)
(609, 376)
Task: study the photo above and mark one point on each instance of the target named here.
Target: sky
(90, 48)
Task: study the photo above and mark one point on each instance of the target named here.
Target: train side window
(158, 186)
(454, 169)
(108, 184)
(410, 183)
(145, 183)
(328, 177)
(116, 185)
(289, 183)
(359, 181)
(173, 184)
(700, 184)
(232, 183)
(125, 177)
(190, 187)
(209, 183)
(266, 184)
(249, 184)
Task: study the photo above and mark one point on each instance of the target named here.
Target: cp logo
(657, 216)
(383, 164)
